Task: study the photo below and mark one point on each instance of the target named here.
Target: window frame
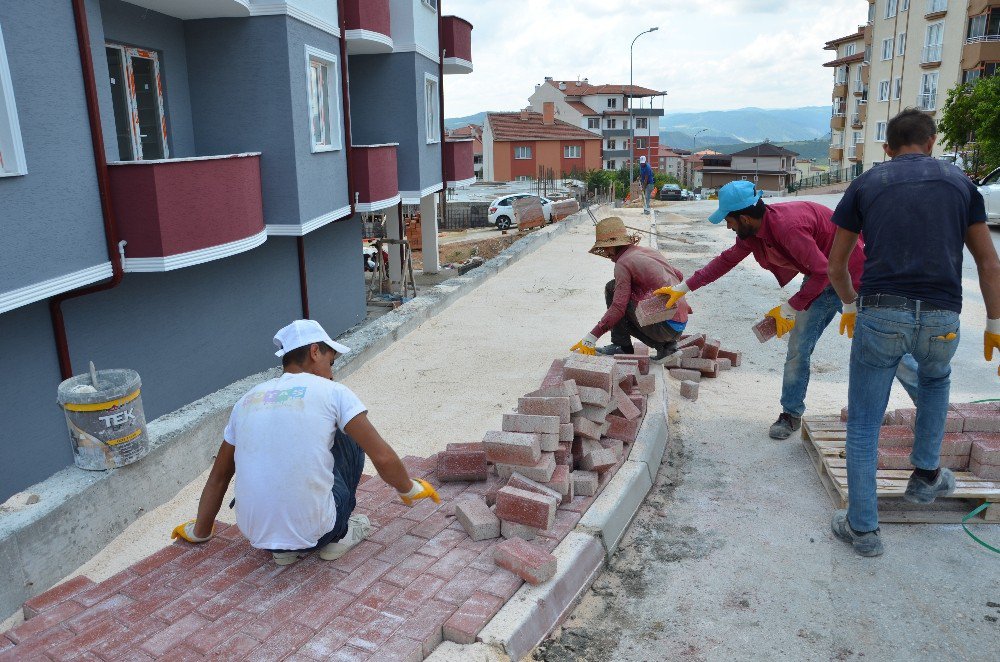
(891, 8)
(572, 152)
(642, 122)
(880, 129)
(430, 4)
(884, 90)
(613, 102)
(901, 44)
(517, 150)
(11, 128)
(891, 43)
(897, 88)
(333, 96)
(593, 122)
(128, 53)
(612, 123)
(433, 132)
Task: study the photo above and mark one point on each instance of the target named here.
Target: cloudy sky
(707, 54)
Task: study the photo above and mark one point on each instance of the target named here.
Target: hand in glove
(991, 339)
(675, 292)
(848, 318)
(186, 531)
(586, 346)
(421, 490)
(784, 318)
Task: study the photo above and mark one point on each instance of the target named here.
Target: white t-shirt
(283, 431)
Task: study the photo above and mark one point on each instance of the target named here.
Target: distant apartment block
(605, 110)
(517, 145)
(908, 54)
(771, 168)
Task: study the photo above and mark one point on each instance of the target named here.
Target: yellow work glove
(848, 318)
(186, 531)
(675, 292)
(991, 339)
(586, 346)
(421, 490)
(784, 318)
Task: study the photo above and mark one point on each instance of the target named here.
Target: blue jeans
(882, 337)
(809, 326)
(647, 192)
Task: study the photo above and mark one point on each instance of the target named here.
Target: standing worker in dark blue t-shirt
(646, 178)
(916, 213)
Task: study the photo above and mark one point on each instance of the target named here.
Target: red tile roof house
(769, 167)
(604, 109)
(516, 145)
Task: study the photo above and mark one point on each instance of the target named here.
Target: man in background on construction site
(297, 446)
(787, 239)
(917, 213)
(648, 181)
(638, 272)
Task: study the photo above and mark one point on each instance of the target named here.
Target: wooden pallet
(824, 438)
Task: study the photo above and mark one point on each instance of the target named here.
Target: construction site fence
(828, 178)
(463, 218)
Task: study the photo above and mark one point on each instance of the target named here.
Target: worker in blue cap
(787, 239)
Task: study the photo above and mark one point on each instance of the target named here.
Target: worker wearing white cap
(297, 445)
(648, 180)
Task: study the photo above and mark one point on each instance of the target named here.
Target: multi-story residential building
(518, 146)
(771, 168)
(850, 97)
(670, 161)
(691, 174)
(616, 112)
(191, 176)
(472, 132)
(915, 52)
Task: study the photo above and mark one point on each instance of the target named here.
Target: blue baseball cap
(735, 196)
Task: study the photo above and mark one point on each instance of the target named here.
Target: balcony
(866, 75)
(977, 7)
(374, 171)
(927, 102)
(840, 90)
(981, 49)
(202, 9)
(176, 213)
(616, 133)
(368, 27)
(837, 122)
(836, 153)
(930, 56)
(869, 34)
(456, 40)
(617, 153)
(936, 9)
(861, 90)
(857, 152)
(459, 170)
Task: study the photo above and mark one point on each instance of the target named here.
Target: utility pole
(628, 97)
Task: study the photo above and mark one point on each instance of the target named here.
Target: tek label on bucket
(107, 425)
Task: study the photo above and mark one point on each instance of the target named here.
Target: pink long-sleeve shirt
(639, 271)
(794, 238)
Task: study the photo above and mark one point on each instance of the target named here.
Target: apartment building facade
(191, 177)
(915, 51)
(519, 146)
(618, 113)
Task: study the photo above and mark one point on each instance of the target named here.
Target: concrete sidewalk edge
(80, 512)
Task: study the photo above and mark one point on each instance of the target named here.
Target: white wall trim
(462, 183)
(333, 94)
(417, 48)
(437, 103)
(378, 204)
(191, 258)
(289, 9)
(18, 165)
(466, 65)
(292, 230)
(413, 197)
(22, 296)
(369, 35)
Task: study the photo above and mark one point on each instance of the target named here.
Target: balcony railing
(856, 120)
(983, 38)
(376, 181)
(458, 163)
(927, 101)
(456, 38)
(175, 213)
(931, 54)
(369, 29)
(985, 48)
(936, 7)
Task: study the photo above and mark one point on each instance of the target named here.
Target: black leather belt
(892, 301)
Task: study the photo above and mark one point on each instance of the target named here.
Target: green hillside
(817, 150)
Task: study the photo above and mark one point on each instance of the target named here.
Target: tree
(970, 120)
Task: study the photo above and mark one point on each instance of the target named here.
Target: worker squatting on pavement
(916, 214)
(787, 239)
(639, 272)
(297, 446)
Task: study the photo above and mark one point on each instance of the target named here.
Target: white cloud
(711, 54)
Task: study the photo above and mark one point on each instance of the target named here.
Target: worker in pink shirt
(787, 239)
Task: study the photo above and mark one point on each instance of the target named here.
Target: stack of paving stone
(699, 356)
(971, 441)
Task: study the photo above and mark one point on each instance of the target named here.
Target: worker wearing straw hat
(639, 271)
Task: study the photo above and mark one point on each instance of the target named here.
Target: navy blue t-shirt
(913, 213)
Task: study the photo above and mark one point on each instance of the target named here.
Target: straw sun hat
(610, 232)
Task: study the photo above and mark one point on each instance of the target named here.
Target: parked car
(502, 210)
(990, 188)
(670, 192)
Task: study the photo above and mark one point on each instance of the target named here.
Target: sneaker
(919, 490)
(358, 527)
(865, 544)
(286, 558)
(785, 426)
(611, 350)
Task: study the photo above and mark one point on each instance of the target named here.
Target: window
(571, 151)
(612, 144)
(898, 88)
(871, 13)
(523, 178)
(883, 90)
(887, 48)
(858, 138)
(593, 122)
(612, 165)
(324, 109)
(901, 48)
(137, 101)
(850, 49)
(612, 123)
(890, 8)
(905, 5)
(12, 161)
(933, 40)
(522, 152)
(641, 143)
(935, 6)
(927, 99)
(430, 4)
(432, 103)
(613, 102)
(641, 123)
(880, 131)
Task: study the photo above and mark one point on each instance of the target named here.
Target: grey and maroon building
(179, 179)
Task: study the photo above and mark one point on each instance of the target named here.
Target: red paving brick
(56, 595)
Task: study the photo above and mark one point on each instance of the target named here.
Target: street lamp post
(694, 150)
(631, 119)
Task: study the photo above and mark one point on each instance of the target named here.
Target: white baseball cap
(304, 332)
(642, 159)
